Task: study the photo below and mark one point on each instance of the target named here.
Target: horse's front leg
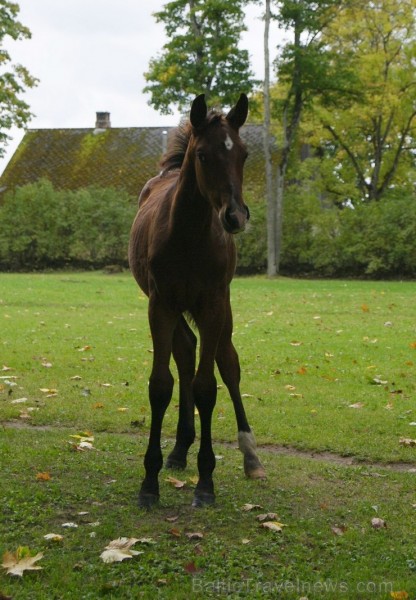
(205, 396)
(162, 324)
(210, 321)
(184, 353)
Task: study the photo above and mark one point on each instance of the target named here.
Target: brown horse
(182, 255)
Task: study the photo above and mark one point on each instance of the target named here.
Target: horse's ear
(238, 114)
(198, 111)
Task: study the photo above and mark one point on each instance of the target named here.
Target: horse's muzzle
(234, 220)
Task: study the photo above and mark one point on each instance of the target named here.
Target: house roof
(122, 158)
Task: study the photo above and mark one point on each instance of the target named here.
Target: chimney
(103, 120)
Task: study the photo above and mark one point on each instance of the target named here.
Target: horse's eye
(201, 156)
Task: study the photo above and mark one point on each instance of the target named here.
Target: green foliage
(307, 66)
(45, 228)
(372, 142)
(33, 221)
(14, 78)
(371, 240)
(101, 221)
(251, 244)
(200, 56)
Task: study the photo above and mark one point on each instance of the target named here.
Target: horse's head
(219, 155)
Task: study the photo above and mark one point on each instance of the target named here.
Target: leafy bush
(252, 244)
(46, 228)
(89, 228)
(376, 239)
(33, 227)
(100, 221)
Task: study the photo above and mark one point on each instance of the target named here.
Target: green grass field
(328, 377)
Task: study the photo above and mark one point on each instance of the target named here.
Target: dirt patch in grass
(324, 456)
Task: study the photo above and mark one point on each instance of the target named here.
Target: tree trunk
(271, 206)
(291, 118)
(280, 185)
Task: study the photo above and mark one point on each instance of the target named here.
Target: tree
(372, 143)
(267, 143)
(306, 69)
(14, 78)
(200, 56)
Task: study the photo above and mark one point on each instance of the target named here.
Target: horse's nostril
(234, 219)
(228, 216)
(247, 212)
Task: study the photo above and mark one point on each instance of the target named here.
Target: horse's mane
(178, 143)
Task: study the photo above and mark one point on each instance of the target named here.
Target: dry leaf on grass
(266, 517)
(248, 507)
(191, 568)
(338, 529)
(407, 442)
(50, 392)
(119, 550)
(18, 562)
(83, 442)
(53, 537)
(18, 401)
(43, 476)
(195, 535)
(273, 526)
(378, 523)
(147, 541)
(175, 532)
(176, 482)
(172, 519)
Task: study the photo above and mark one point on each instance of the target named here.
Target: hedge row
(45, 228)
(374, 240)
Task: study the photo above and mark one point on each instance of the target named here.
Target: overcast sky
(90, 55)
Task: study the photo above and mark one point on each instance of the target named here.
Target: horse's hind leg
(184, 353)
(229, 368)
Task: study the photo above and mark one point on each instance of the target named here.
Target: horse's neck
(190, 210)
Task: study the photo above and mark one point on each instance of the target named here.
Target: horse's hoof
(147, 500)
(257, 473)
(202, 499)
(175, 463)
(253, 468)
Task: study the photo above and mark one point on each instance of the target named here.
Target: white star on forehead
(228, 142)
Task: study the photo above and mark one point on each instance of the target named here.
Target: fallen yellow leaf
(43, 476)
(54, 537)
(177, 483)
(119, 550)
(20, 561)
(49, 391)
(273, 525)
